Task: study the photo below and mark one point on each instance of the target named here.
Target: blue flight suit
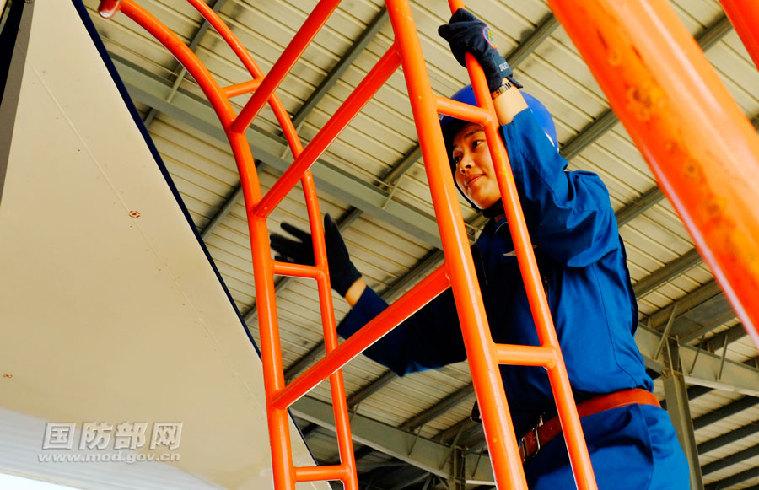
(583, 266)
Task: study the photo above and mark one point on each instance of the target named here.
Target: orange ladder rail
(285, 473)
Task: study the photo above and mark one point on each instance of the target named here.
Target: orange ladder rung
(318, 473)
(462, 111)
(526, 355)
(296, 270)
(241, 88)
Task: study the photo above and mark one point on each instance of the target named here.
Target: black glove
(300, 250)
(466, 33)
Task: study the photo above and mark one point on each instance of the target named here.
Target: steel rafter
(678, 407)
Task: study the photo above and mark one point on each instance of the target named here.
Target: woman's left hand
(466, 33)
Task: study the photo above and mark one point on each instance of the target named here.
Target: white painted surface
(106, 315)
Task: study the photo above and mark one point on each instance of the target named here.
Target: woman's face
(473, 171)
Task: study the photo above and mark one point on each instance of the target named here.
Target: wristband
(503, 88)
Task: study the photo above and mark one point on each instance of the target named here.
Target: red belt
(545, 432)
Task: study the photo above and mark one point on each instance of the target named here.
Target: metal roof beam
(409, 447)
(702, 368)
(589, 134)
(222, 210)
(438, 408)
(732, 334)
(464, 427)
(638, 206)
(393, 476)
(543, 30)
(702, 319)
(678, 407)
(690, 301)
(693, 391)
(370, 388)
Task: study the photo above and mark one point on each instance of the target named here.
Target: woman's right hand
(298, 248)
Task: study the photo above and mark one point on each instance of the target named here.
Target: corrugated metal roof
(379, 138)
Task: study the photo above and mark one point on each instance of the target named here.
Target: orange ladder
(457, 271)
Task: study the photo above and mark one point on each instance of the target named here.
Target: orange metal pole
(108, 8)
(327, 310)
(376, 77)
(418, 296)
(541, 313)
(289, 56)
(185, 55)
(744, 15)
(477, 339)
(698, 143)
(283, 118)
(271, 356)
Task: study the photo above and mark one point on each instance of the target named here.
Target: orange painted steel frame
(458, 271)
(701, 148)
(701, 194)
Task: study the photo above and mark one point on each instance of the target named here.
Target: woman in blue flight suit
(582, 260)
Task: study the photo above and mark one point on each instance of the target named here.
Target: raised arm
(569, 213)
